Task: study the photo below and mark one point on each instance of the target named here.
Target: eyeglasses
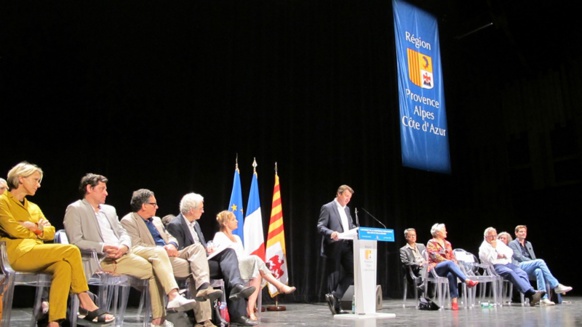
(155, 204)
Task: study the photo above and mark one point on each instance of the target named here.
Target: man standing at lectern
(335, 218)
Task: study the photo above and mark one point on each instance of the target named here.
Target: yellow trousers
(64, 262)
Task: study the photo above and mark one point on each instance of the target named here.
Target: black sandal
(97, 317)
(42, 321)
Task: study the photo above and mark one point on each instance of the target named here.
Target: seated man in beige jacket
(147, 231)
(93, 225)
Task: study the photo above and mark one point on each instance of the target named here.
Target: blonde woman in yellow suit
(24, 228)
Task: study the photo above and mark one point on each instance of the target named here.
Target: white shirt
(109, 236)
(221, 240)
(488, 253)
(343, 216)
(192, 230)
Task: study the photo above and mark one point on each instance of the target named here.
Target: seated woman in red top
(442, 260)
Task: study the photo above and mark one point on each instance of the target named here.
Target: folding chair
(113, 288)
(470, 265)
(442, 291)
(14, 278)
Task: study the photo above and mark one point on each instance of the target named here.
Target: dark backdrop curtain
(165, 96)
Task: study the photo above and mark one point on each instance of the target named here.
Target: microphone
(357, 220)
(376, 219)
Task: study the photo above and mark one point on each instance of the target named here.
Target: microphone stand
(376, 219)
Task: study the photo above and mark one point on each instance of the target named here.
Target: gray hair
(506, 234)
(435, 228)
(408, 230)
(488, 230)
(190, 201)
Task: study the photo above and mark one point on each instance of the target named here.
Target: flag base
(276, 308)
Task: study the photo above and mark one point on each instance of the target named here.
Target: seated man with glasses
(148, 235)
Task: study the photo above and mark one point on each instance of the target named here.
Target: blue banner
(423, 120)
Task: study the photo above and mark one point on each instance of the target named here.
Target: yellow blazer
(19, 239)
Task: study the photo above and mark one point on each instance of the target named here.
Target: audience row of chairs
(113, 290)
(492, 288)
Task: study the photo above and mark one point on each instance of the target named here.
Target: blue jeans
(452, 271)
(538, 269)
(515, 275)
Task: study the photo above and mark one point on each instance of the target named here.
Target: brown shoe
(208, 293)
(206, 323)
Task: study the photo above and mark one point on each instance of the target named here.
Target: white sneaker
(166, 323)
(180, 303)
(561, 289)
(546, 302)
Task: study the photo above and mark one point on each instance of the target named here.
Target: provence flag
(423, 120)
(276, 258)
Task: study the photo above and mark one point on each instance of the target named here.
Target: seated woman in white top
(251, 267)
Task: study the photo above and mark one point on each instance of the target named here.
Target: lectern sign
(376, 234)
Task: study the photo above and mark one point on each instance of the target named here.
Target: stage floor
(566, 314)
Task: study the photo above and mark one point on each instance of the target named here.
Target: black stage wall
(165, 95)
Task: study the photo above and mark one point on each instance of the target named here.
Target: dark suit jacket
(517, 255)
(179, 229)
(330, 221)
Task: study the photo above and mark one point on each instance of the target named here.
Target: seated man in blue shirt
(147, 232)
(525, 257)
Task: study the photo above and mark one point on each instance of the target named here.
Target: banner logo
(420, 69)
